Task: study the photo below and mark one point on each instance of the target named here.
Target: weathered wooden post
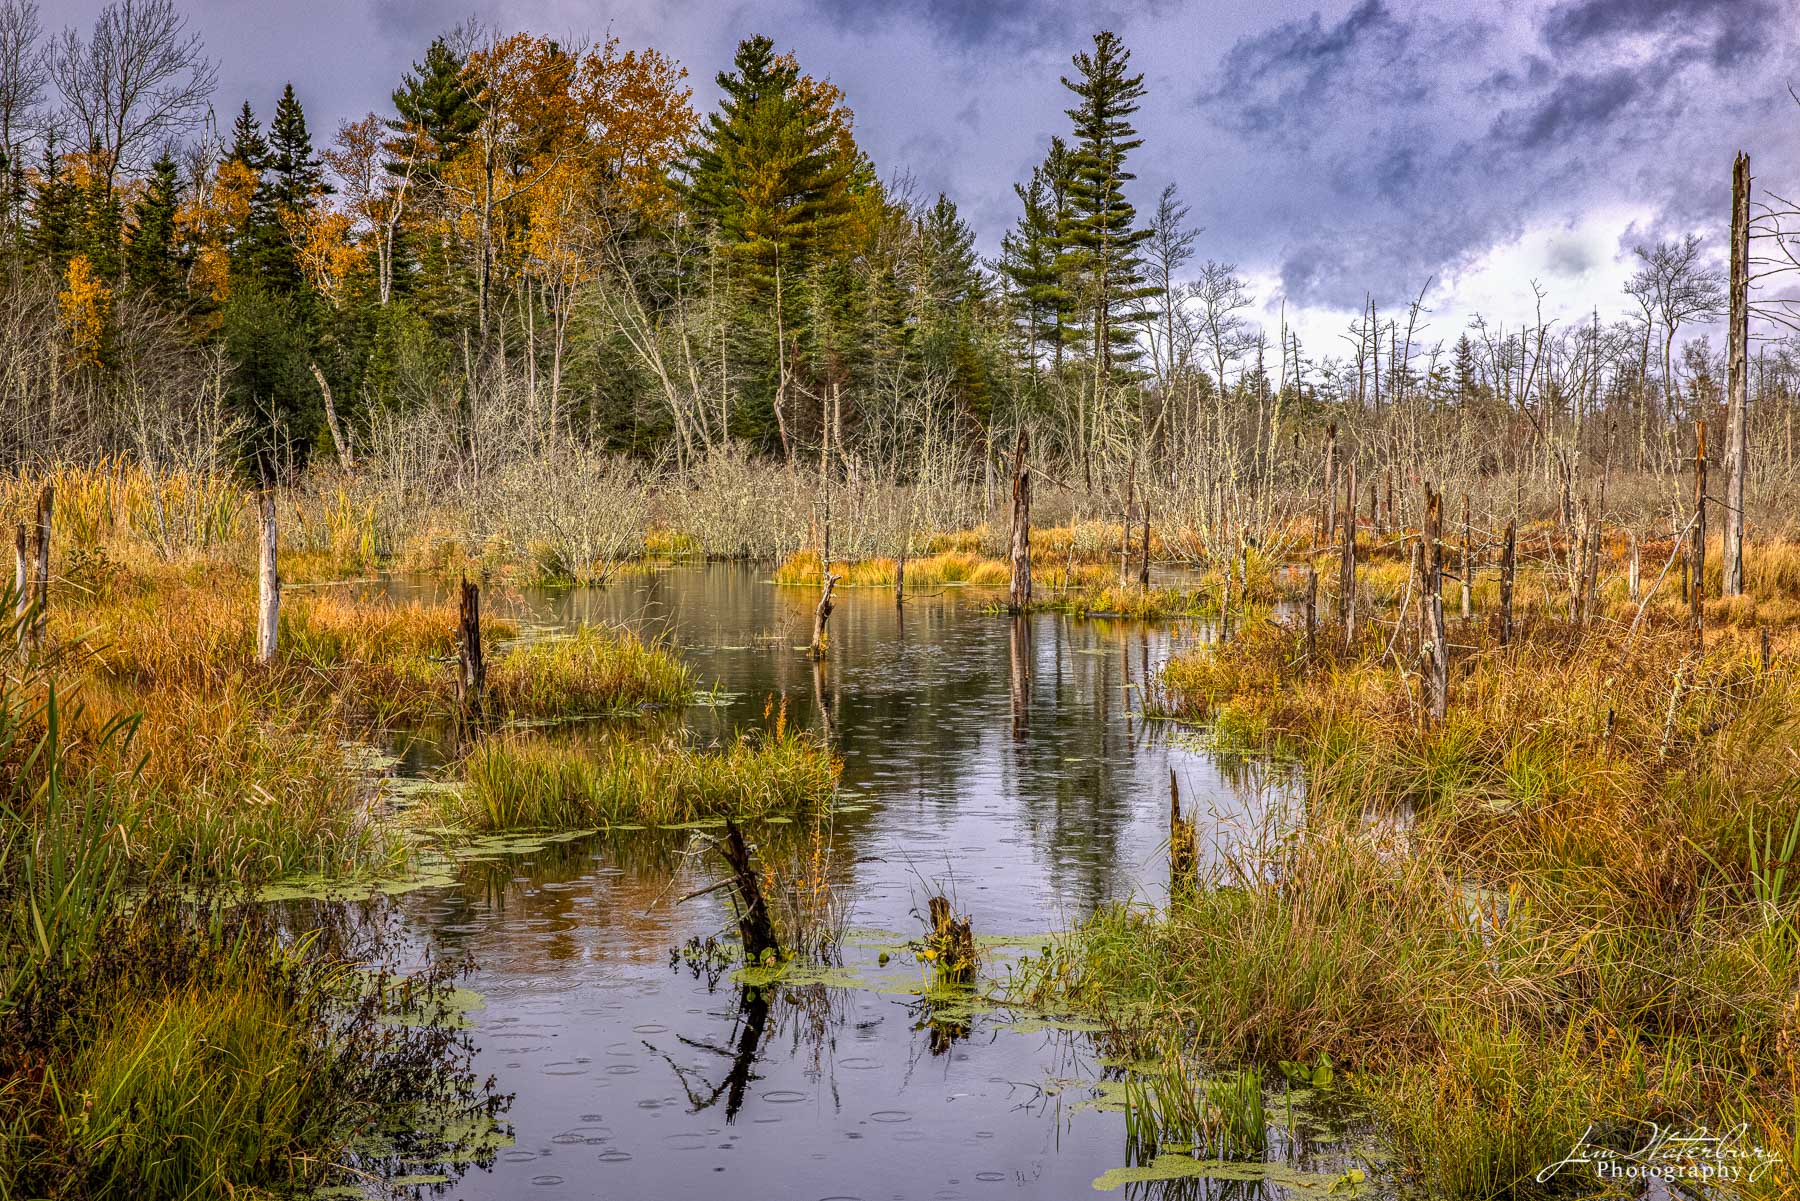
(1312, 612)
(39, 588)
(1328, 503)
(1126, 521)
(1018, 596)
(1468, 562)
(822, 614)
(1347, 560)
(268, 578)
(1590, 579)
(1144, 561)
(1225, 606)
(1737, 443)
(1697, 551)
(1437, 648)
(1633, 572)
(471, 668)
(1508, 569)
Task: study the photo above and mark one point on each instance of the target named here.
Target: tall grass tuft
(533, 781)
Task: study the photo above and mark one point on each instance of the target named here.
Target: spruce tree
(1100, 238)
(54, 210)
(296, 178)
(154, 259)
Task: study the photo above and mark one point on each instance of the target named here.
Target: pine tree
(263, 251)
(437, 111)
(154, 258)
(1028, 255)
(1100, 238)
(770, 169)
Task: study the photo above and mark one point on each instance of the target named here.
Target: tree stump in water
(471, 669)
(822, 614)
(755, 927)
(952, 940)
(1184, 859)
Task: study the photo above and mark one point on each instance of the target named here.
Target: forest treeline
(543, 242)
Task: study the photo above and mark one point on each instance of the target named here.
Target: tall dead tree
(1738, 376)
(1431, 609)
(822, 614)
(1509, 559)
(1468, 564)
(1347, 559)
(1697, 548)
(268, 579)
(471, 668)
(346, 458)
(1328, 502)
(1018, 596)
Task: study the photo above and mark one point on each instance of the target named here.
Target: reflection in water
(1003, 760)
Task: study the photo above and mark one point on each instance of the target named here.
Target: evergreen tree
(437, 113)
(296, 177)
(769, 170)
(248, 146)
(1100, 239)
(1028, 261)
(54, 210)
(154, 258)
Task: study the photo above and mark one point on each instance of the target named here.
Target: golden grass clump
(532, 781)
(592, 671)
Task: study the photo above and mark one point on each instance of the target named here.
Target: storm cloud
(1332, 150)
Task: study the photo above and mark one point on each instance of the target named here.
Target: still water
(1005, 762)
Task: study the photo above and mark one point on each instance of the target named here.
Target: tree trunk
(346, 459)
(755, 927)
(1508, 569)
(1468, 563)
(268, 579)
(471, 668)
(1697, 572)
(1737, 436)
(822, 614)
(1347, 560)
(1018, 596)
(1437, 648)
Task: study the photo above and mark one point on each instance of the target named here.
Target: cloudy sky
(1330, 149)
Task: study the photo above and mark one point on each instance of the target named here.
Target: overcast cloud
(1331, 150)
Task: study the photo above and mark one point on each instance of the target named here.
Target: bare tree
(23, 73)
(1169, 247)
(1679, 287)
(1221, 298)
(139, 80)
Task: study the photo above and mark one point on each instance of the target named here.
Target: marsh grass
(595, 670)
(519, 781)
(160, 1042)
(1565, 904)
